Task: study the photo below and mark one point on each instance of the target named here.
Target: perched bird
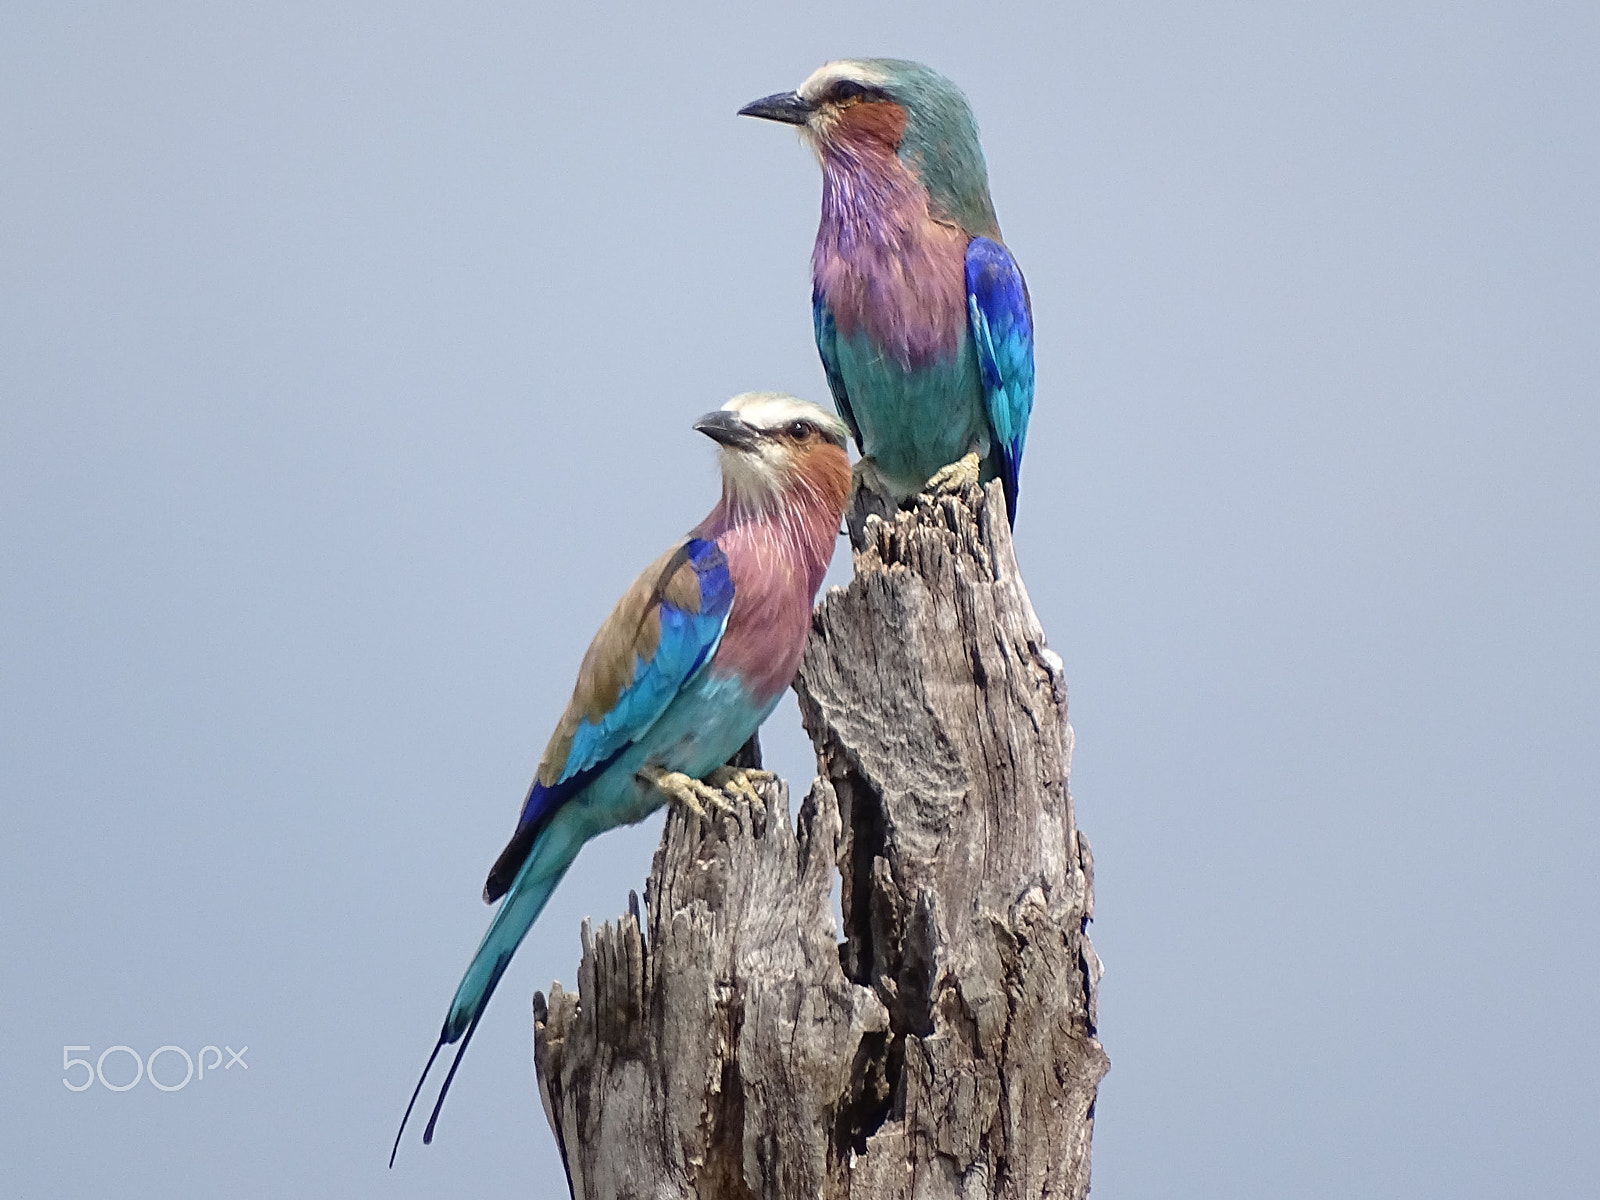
(682, 673)
(921, 314)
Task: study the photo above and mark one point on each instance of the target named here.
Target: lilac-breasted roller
(921, 314)
(681, 674)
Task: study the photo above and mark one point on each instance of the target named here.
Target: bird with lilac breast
(921, 315)
(682, 673)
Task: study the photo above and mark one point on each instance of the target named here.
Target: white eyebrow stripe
(828, 74)
(773, 410)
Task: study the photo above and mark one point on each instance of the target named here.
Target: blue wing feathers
(687, 640)
(711, 568)
(1002, 332)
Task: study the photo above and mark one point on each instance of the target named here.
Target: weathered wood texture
(728, 1046)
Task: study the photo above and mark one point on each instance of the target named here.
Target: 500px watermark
(194, 1068)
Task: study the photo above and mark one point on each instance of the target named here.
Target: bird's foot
(869, 490)
(741, 781)
(864, 474)
(870, 496)
(956, 477)
(687, 792)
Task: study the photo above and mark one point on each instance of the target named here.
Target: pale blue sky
(347, 360)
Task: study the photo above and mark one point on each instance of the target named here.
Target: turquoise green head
(867, 102)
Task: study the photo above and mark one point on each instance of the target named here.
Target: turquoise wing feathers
(1001, 323)
(659, 635)
(686, 640)
(828, 347)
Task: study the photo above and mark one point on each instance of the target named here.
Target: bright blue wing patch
(687, 640)
(828, 347)
(1002, 332)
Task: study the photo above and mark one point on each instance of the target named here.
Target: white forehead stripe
(828, 74)
(773, 410)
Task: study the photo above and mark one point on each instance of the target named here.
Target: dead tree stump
(725, 1045)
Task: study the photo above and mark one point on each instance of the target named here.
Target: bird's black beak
(789, 107)
(728, 429)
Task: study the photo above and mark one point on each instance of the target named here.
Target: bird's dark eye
(798, 429)
(849, 89)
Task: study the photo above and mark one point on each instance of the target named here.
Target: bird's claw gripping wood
(864, 477)
(955, 477)
(870, 495)
(741, 781)
(699, 798)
